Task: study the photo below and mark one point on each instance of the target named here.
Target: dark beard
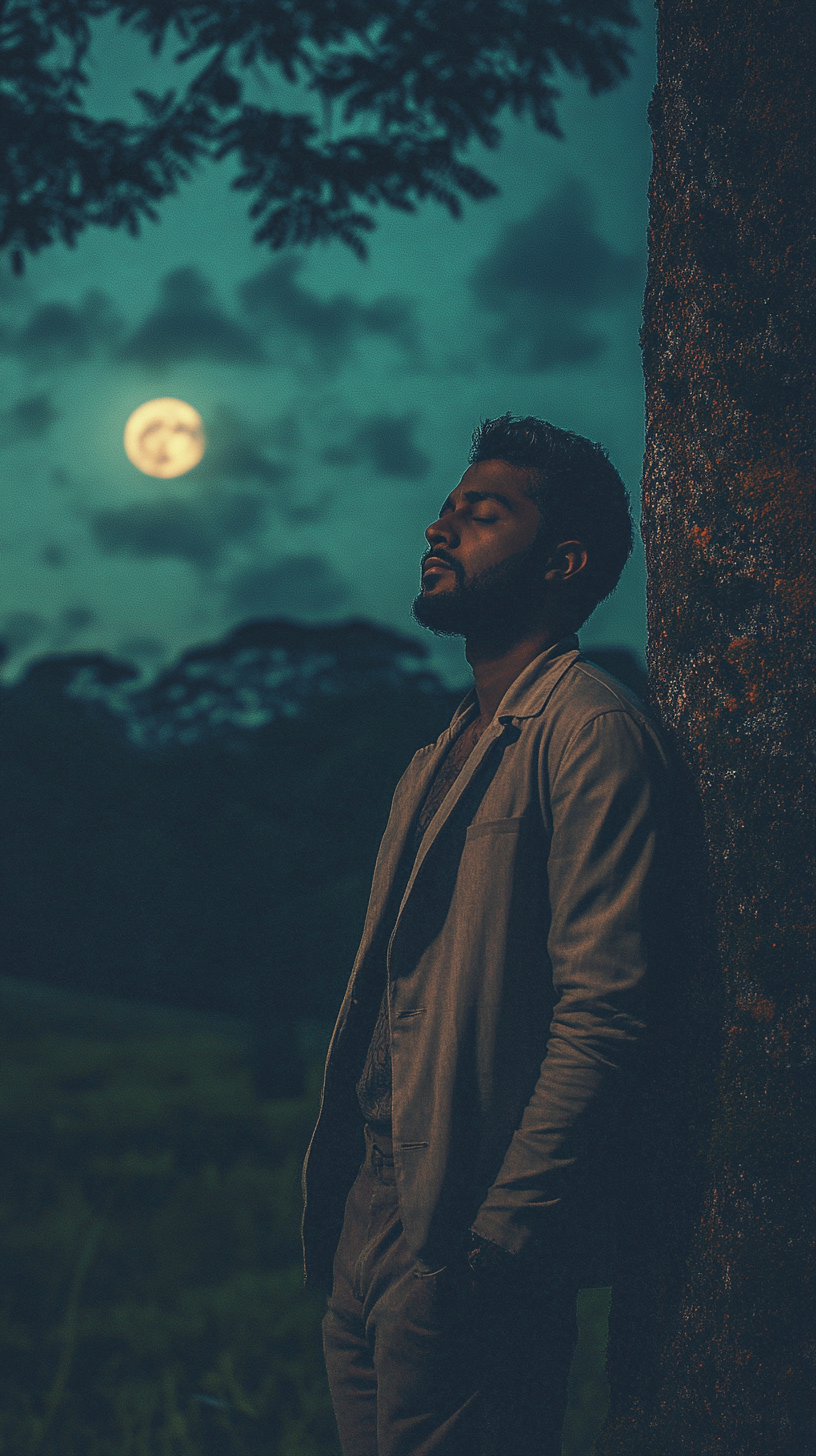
(502, 603)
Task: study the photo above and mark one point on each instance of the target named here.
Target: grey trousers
(438, 1364)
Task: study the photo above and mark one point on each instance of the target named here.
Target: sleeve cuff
(485, 1257)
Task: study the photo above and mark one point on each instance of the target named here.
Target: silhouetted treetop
(78, 671)
(394, 92)
(256, 674)
(208, 836)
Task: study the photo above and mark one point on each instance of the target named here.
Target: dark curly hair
(579, 494)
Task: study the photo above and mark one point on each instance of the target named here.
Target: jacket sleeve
(606, 797)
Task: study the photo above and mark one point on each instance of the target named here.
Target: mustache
(441, 556)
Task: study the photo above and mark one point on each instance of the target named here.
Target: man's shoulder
(585, 693)
(592, 689)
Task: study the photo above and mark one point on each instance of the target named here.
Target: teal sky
(338, 396)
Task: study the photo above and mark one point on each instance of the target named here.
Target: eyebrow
(474, 496)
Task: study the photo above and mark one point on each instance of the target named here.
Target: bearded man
(457, 1182)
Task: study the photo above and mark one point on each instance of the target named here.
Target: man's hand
(484, 1257)
(492, 1265)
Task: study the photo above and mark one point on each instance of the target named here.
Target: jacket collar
(527, 695)
(525, 698)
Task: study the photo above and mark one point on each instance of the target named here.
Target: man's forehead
(491, 480)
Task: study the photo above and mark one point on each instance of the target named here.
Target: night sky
(338, 396)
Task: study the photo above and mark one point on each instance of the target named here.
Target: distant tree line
(208, 839)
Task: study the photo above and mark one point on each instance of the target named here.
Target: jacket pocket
(495, 826)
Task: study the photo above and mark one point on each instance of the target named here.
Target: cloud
(385, 443)
(58, 334)
(329, 328)
(20, 629)
(198, 531)
(76, 619)
(544, 274)
(143, 649)
(236, 451)
(28, 419)
(188, 324)
(301, 586)
(72, 622)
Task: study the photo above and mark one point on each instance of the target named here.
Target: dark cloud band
(545, 274)
(384, 442)
(188, 324)
(198, 531)
(300, 586)
(57, 335)
(27, 419)
(277, 302)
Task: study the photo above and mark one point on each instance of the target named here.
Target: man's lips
(435, 563)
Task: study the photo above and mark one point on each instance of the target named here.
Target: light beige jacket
(516, 964)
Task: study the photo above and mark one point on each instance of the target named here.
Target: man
(489, 1031)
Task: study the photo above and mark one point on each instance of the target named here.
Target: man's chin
(441, 614)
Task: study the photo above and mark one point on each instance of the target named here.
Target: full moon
(164, 437)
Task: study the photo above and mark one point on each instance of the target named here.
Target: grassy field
(150, 1299)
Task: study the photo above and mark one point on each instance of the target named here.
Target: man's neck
(496, 665)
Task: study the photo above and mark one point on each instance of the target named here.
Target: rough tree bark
(710, 1331)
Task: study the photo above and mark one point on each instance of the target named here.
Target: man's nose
(440, 532)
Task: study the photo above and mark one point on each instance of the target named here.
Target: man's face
(483, 570)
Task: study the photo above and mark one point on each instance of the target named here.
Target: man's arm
(607, 806)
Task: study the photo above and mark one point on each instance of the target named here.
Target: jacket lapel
(447, 807)
(525, 698)
(410, 796)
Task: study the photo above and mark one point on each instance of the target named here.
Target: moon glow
(164, 437)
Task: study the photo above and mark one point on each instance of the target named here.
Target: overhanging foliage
(404, 88)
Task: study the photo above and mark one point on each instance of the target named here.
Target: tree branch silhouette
(400, 89)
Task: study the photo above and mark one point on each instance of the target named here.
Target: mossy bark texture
(711, 1320)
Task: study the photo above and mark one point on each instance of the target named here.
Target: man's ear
(566, 561)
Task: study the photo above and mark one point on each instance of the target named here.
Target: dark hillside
(213, 834)
(207, 839)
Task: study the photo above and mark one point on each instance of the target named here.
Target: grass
(151, 1284)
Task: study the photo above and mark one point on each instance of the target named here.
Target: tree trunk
(710, 1329)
